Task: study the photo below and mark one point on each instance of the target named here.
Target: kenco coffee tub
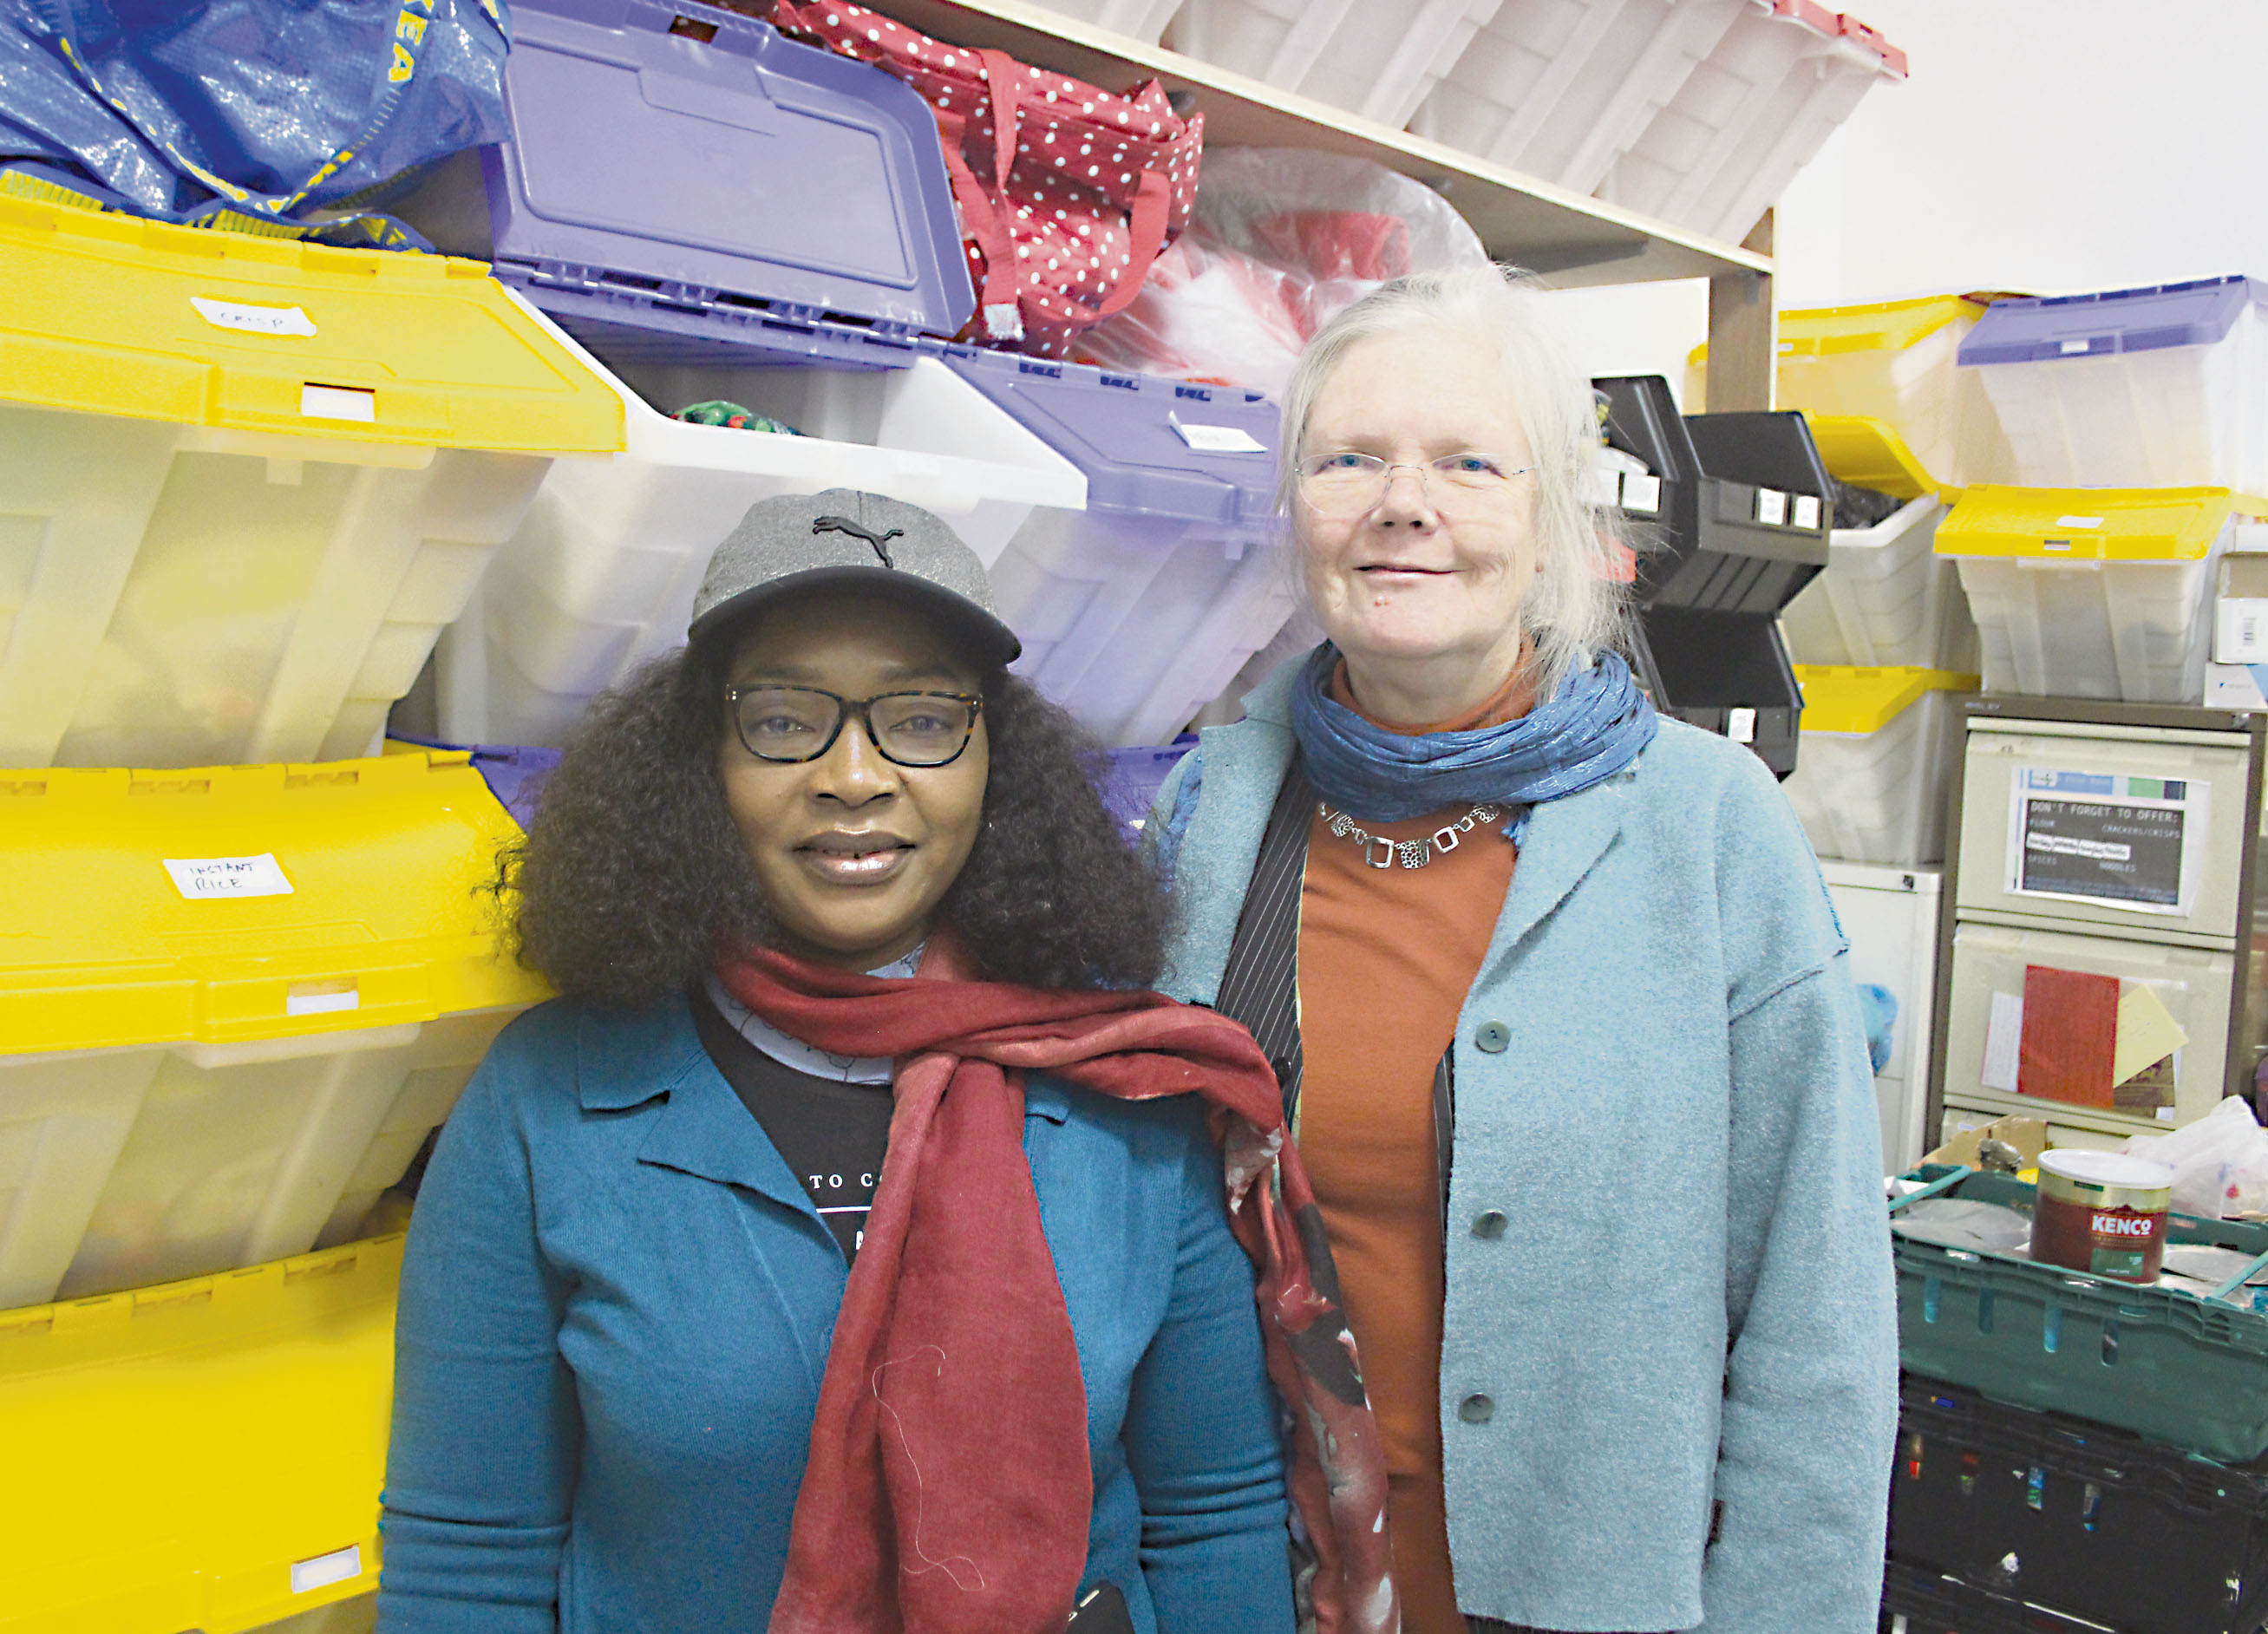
(2101, 1211)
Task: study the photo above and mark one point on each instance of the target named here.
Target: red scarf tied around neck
(949, 1489)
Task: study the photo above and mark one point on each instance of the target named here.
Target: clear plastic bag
(2219, 1162)
(1283, 240)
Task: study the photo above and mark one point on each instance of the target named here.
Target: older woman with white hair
(1564, 1018)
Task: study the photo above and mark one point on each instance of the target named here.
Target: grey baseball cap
(861, 543)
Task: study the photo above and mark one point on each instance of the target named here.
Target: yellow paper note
(2147, 1033)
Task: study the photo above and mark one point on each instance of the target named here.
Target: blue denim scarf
(1591, 727)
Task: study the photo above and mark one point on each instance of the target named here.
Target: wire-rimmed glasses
(1347, 484)
(789, 725)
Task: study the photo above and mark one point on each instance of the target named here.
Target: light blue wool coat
(1691, 1312)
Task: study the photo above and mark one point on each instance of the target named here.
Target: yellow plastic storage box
(1871, 763)
(201, 1455)
(244, 482)
(1887, 599)
(2095, 592)
(233, 1001)
(1894, 361)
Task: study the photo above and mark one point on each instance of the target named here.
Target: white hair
(1575, 607)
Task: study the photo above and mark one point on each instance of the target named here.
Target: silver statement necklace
(1381, 852)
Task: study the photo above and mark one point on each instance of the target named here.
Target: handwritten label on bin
(252, 320)
(206, 878)
(1220, 439)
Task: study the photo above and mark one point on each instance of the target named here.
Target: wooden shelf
(1567, 238)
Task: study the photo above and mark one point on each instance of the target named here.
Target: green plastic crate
(2167, 1365)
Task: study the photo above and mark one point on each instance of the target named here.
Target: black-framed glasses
(1349, 484)
(792, 725)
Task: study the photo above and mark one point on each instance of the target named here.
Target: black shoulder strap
(1261, 986)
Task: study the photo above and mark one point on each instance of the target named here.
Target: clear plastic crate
(1379, 58)
(1871, 768)
(2091, 592)
(1783, 76)
(601, 574)
(1560, 89)
(1887, 599)
(201, 1454)
(2164, 386)
(234, 1000)
(244, 482)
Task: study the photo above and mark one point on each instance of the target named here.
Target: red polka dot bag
(1066, 192)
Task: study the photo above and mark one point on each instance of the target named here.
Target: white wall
(2040, 145)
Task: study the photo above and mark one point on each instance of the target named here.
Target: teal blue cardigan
(615, 1310)
(1687, 1326)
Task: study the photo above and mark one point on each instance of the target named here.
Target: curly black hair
(632, 875)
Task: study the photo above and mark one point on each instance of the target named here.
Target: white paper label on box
(1220, 439)
(341, 1565)
(205, 879)
(1807, 510)
(252, 320)
(1601, 486)
(2240, 630)
(1642, 492)
(2078, 521)
(2004, 1035)
(1740, 725)
(1771, 507)
(338, 402)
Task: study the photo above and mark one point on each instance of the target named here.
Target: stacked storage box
(1379, 58)
(1877, 743)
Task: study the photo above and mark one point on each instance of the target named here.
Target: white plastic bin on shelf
(1137, 19)
(234, 1000)
(1786, 73)
(2094, 593)
(1560, 89)
(1379, 58)
(1887, 599)
(2158, 387)
(1895, 365)
(601, 574)
(1870, 769)
(1137, 611)
(244, 482)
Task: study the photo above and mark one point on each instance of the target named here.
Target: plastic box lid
(694, 164)
(113, 314)
(1148, 446)
(2046, 328)
(1852, 699)
(1869, 453)
(230, 903)
(2090, 524)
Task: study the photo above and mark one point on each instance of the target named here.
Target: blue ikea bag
(268, 109)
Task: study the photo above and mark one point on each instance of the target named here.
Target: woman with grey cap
(855, 1247)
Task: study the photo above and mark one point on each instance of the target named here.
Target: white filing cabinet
(2097, 964)
(1889, 917)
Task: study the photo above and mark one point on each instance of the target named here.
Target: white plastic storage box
(1379, 58)
(1870, 772)
(1786, 73)
(2165, 386)
(1137, 19)
(1889, 917)
(1895, 362)
(1987, 1025)
(600, 575)
(1887, 599)
(1560, 89)
(2093, 593)
(1137, 611)
(244, 482)
(233, 1001)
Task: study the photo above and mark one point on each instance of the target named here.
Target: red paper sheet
(2071, 1035)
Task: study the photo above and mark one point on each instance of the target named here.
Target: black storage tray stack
(1998, 1512)
(1739, 527)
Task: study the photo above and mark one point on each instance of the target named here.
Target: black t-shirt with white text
(833, 1135)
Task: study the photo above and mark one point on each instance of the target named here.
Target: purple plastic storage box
(1139, 611)
(1129, 779)
(692, 173)
(514, 773)
(2159, 387)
